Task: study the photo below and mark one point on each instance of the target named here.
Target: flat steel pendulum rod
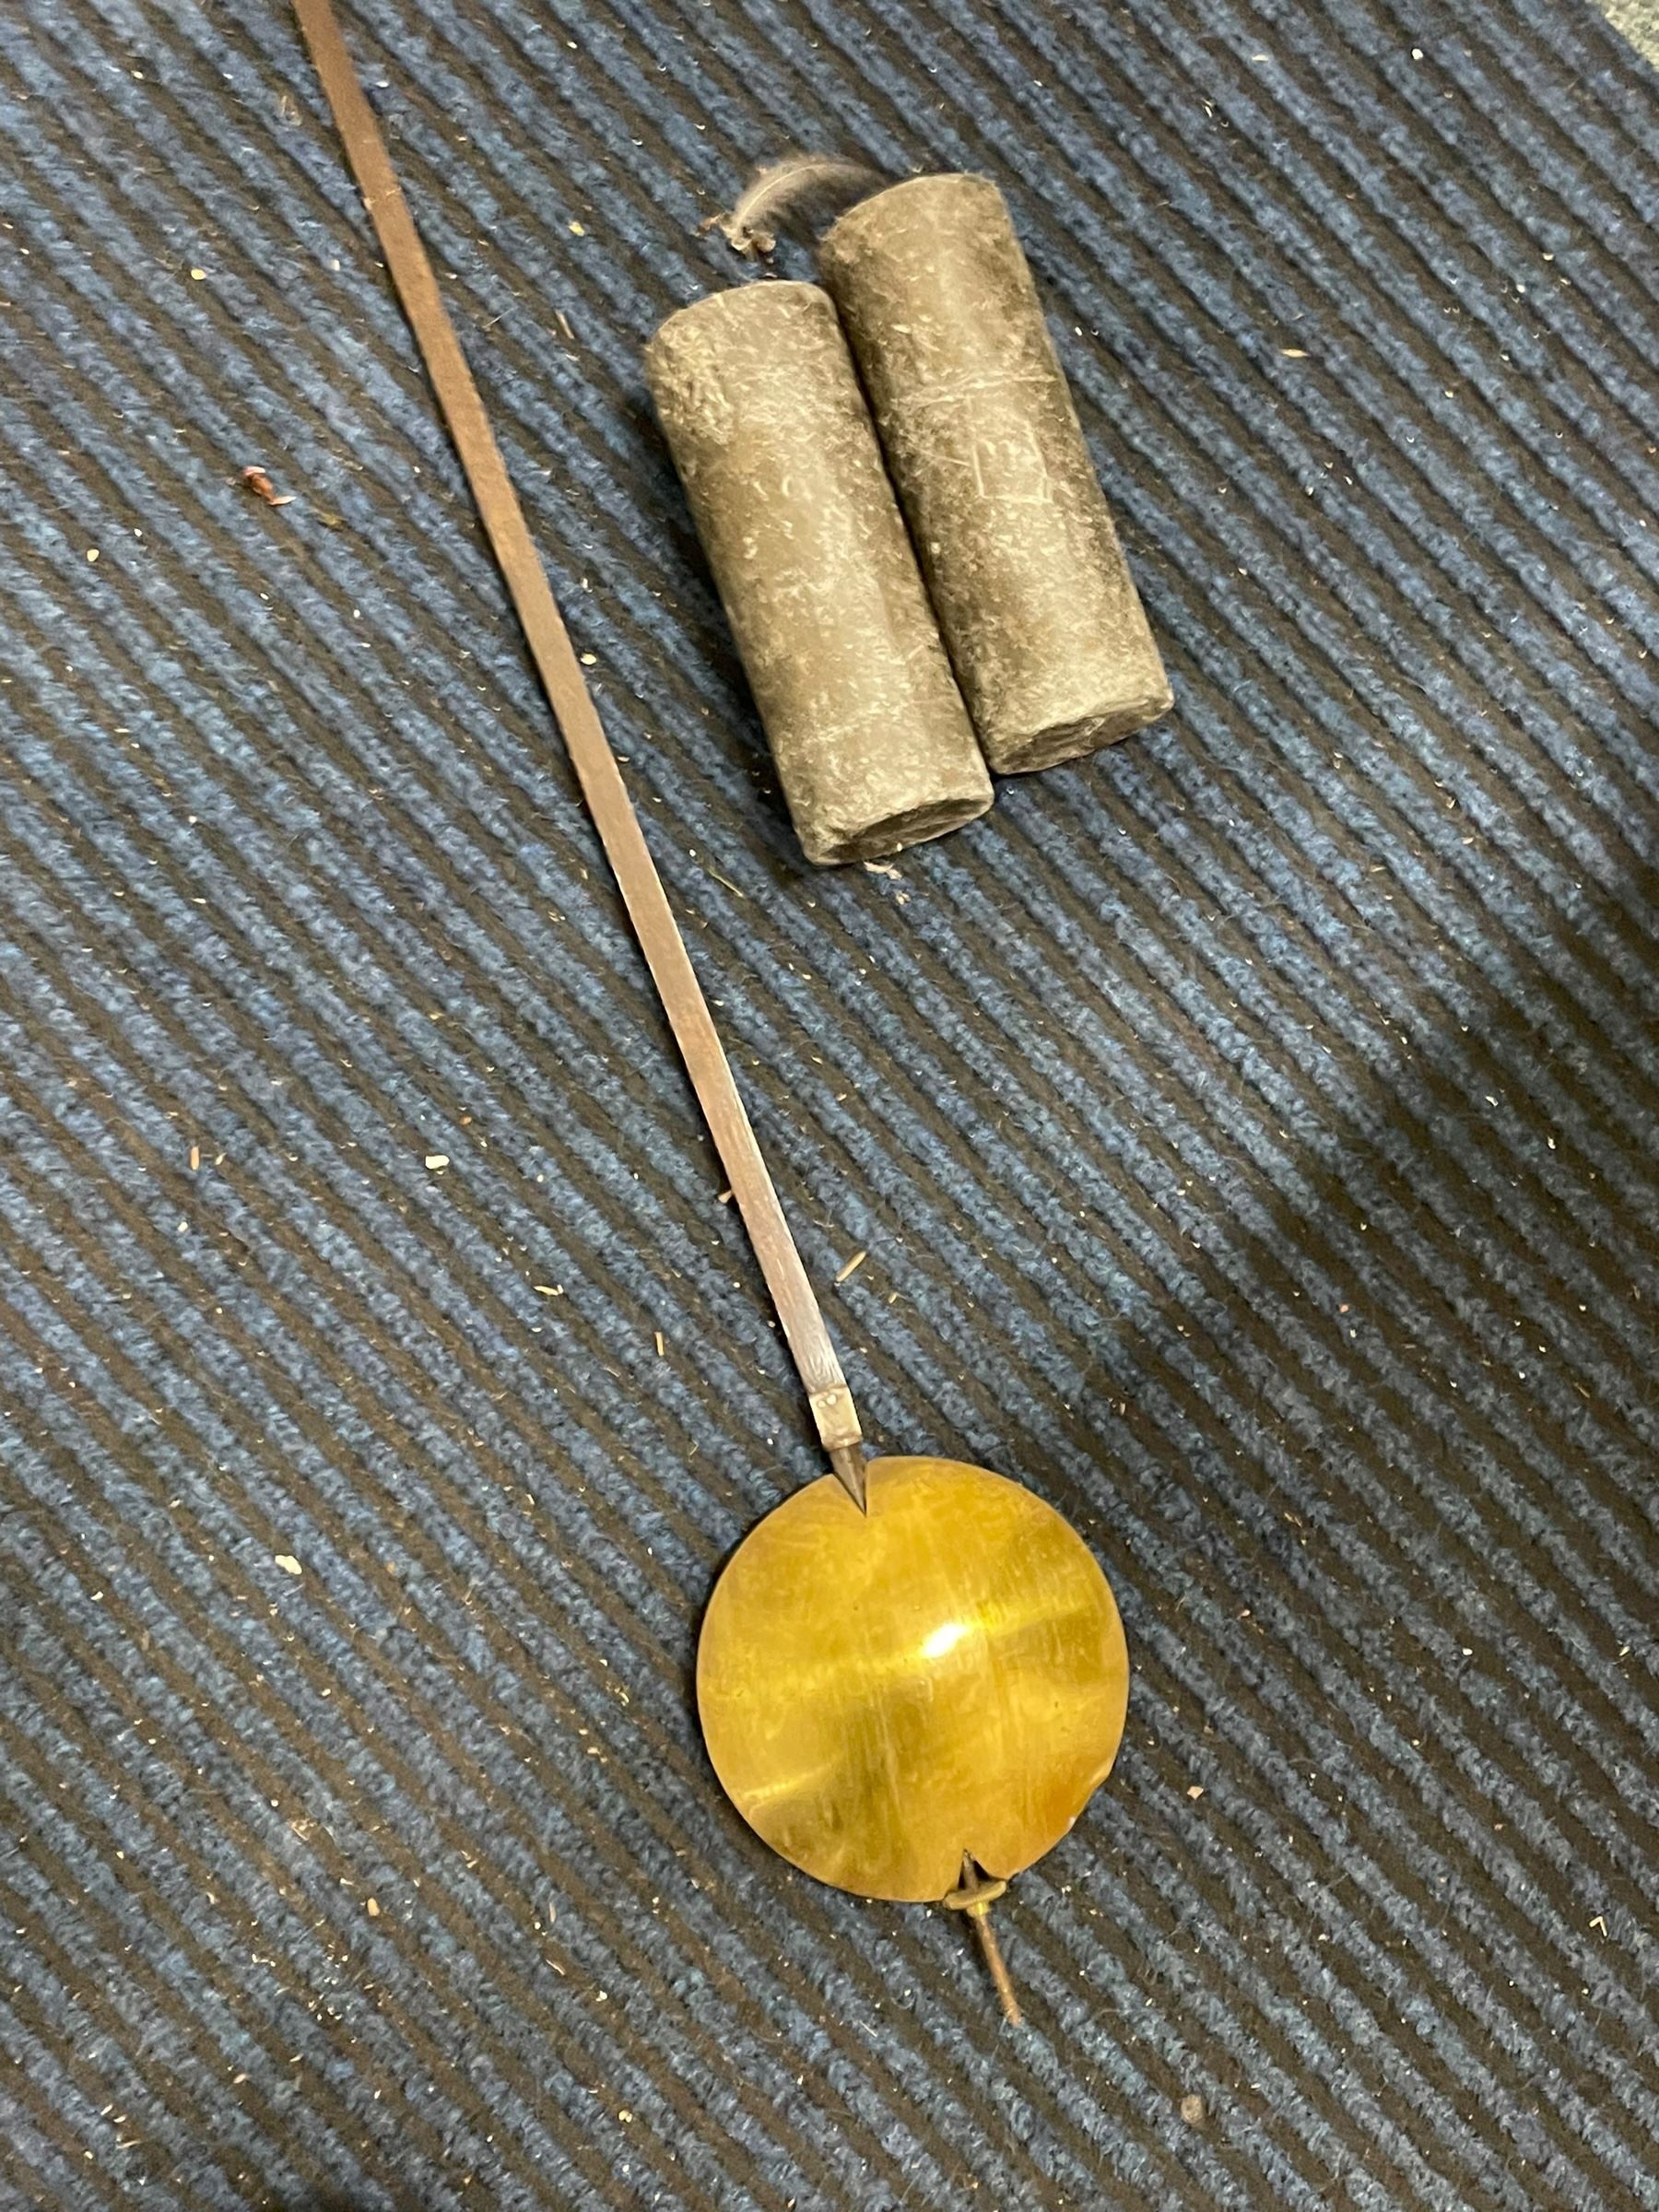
(591, 755)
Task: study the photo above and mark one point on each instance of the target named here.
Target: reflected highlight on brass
(882, 1693)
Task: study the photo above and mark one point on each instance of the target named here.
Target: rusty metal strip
(596, 769)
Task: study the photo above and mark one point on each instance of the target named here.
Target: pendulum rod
(590, 755)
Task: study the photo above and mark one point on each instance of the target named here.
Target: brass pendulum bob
(912, 1673)
(917, 1701)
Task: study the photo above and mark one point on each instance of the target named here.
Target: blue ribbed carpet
(1252, 1132)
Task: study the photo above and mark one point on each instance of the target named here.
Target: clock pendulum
(911, 1674)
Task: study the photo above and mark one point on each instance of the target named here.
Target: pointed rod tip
(848, 1463)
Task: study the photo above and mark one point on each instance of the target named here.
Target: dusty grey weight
(1033, 596)
(762, 410)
